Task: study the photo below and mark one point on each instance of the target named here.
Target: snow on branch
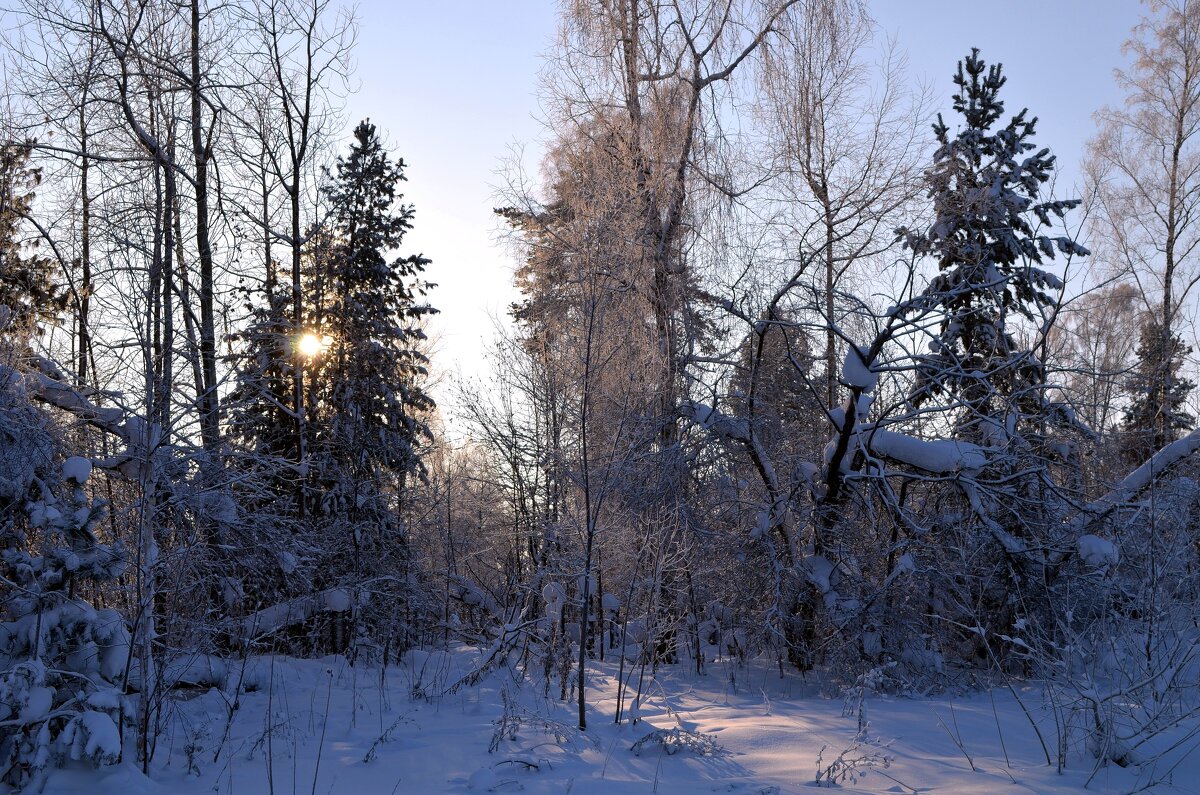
(716, 422)
(857, 369)
(937, 456)
(47, 384)
(471, 595)
(294, 611)
(1139, 479)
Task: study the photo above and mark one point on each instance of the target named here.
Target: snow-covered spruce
(62, 661)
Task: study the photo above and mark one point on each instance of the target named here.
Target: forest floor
(322, 726)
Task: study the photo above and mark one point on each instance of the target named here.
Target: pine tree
(368, 413)
(366, 403)
(62, 661)
(259, 403)
(1157, 392)
(989, 238)
(28, 295)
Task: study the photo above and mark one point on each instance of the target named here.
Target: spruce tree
(63, 662)
(990, 235)
(1157, 392)
(261, 549)
(259, 403)
(369, 413)
(28, 294)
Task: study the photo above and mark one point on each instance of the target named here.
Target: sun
(310, 344)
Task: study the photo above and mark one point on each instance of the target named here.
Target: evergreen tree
(262, 547)
(989, 238)
(364, 400)
(259, 410)
(772, 388)
(62, 661)
(368, 413)
(28, 294)
(1157, 391)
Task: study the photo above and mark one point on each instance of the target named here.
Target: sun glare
(310, 344)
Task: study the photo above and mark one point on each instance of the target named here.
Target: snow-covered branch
(1138, 480)
(47, 384)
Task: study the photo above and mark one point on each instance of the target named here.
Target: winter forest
(831, 440)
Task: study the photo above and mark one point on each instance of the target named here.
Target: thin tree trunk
(210, 418)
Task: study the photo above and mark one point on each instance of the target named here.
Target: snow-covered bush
(61, 660)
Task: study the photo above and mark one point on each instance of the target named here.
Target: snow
(287, 561)
(114, 644)
(553, 593)
(856, 370)
(103, 740)
(1137, 480)
(1098, 552)
(122, 779)
(218, 506)
(37, 704)
(716, 422)
(189, 669)
(337, 600)
(862, 407)
(77, 469)
(940, 456)
(105, 700)
(276, 617)
(820, 572)
(483, 780)
(765, 732)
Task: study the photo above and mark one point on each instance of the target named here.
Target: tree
(369, 419)
(1143, 170)
(366, 401)
(1156, 413)
(62, 662)
(848, 171)
(990, 235)
(300, 56)
(1092, 357)
(29, 295)
(646, 83)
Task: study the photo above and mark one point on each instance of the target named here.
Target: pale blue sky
(454, 85)
(1059, 56)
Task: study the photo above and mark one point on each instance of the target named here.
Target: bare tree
(845, 156)
(1143, 169)
(301, 51)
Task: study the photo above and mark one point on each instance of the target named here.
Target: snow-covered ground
(321, 726)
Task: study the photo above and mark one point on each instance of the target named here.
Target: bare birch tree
(1143, 170)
